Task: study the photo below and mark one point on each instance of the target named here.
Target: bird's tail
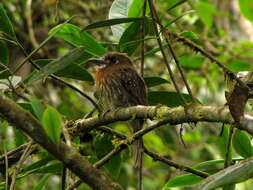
(138, 151)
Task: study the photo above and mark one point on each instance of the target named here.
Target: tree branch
(178, 115)
(24, 121)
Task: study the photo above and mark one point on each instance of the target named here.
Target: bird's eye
(112, 60)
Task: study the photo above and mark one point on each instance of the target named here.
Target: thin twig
(60, 80)
(28, 15)
(135, 136)
(175, 165)
(40, 46)
(142, 37)
(210, 57)
(6, 167)
(173, 53)
(14, 151)
(63, 178)
(109, 156)
(24, 156)
(152, 8)
(124, 144)
(183, 75)
(113, 132)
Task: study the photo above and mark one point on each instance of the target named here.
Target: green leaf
(68, 32)
(119, 9)
(135, 8)
(76, 37)
(28, 107)
(222, 143)
(191, 62)
(170, 99)
(234, 174)
(73, 71)
(36, 165)
(37, 106)
(5, 24)
(132, 34)
(42, 182)
(239, 65)
(4, 54)
(189, 34)
(229, 187)
(153, 51)
(19, 138)
(183, 181)
(246, 7)
(176, 4)
(154, 81)
(51, 121)
(58, 64)
(214, 162)
(206, 12)
(103, 145)
(54, 168)
(111, 22)
(178, 18)
(241, 144)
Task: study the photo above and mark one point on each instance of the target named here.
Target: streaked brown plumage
(119, 85)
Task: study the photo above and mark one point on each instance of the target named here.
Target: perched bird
(119, 85)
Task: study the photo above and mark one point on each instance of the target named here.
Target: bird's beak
(98, 61)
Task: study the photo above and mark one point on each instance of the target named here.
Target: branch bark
(24, 121)
(178, 115)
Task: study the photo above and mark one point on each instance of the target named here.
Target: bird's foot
(104, 112)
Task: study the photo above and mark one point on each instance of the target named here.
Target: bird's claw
(104, 112)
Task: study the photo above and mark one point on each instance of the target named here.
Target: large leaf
(51, 121)
(103, 145)
(54, 168)
(246, 7)
(231, 175)
(242, 144)
(28, 107)
(42, 182)
(4, 54)
(37, 106)
(111, 22)
(183, 181)
(191, 62)
(73, 71)
(133, 34)
(38, 164)
(58, 64)
(222, 141)
(239, 65)
(76, 37)
(135, 8)
(154, 81)
(119, 9)
(170, 99)
(5, 24)
(206, 12)
(214, 162)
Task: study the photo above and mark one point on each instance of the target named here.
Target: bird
(119, 85)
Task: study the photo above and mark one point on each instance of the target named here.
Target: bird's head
(111, 59)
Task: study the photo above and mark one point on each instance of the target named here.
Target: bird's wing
(134, 86)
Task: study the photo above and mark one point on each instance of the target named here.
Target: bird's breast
(107, 73)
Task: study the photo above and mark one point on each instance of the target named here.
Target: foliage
(58, 42)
